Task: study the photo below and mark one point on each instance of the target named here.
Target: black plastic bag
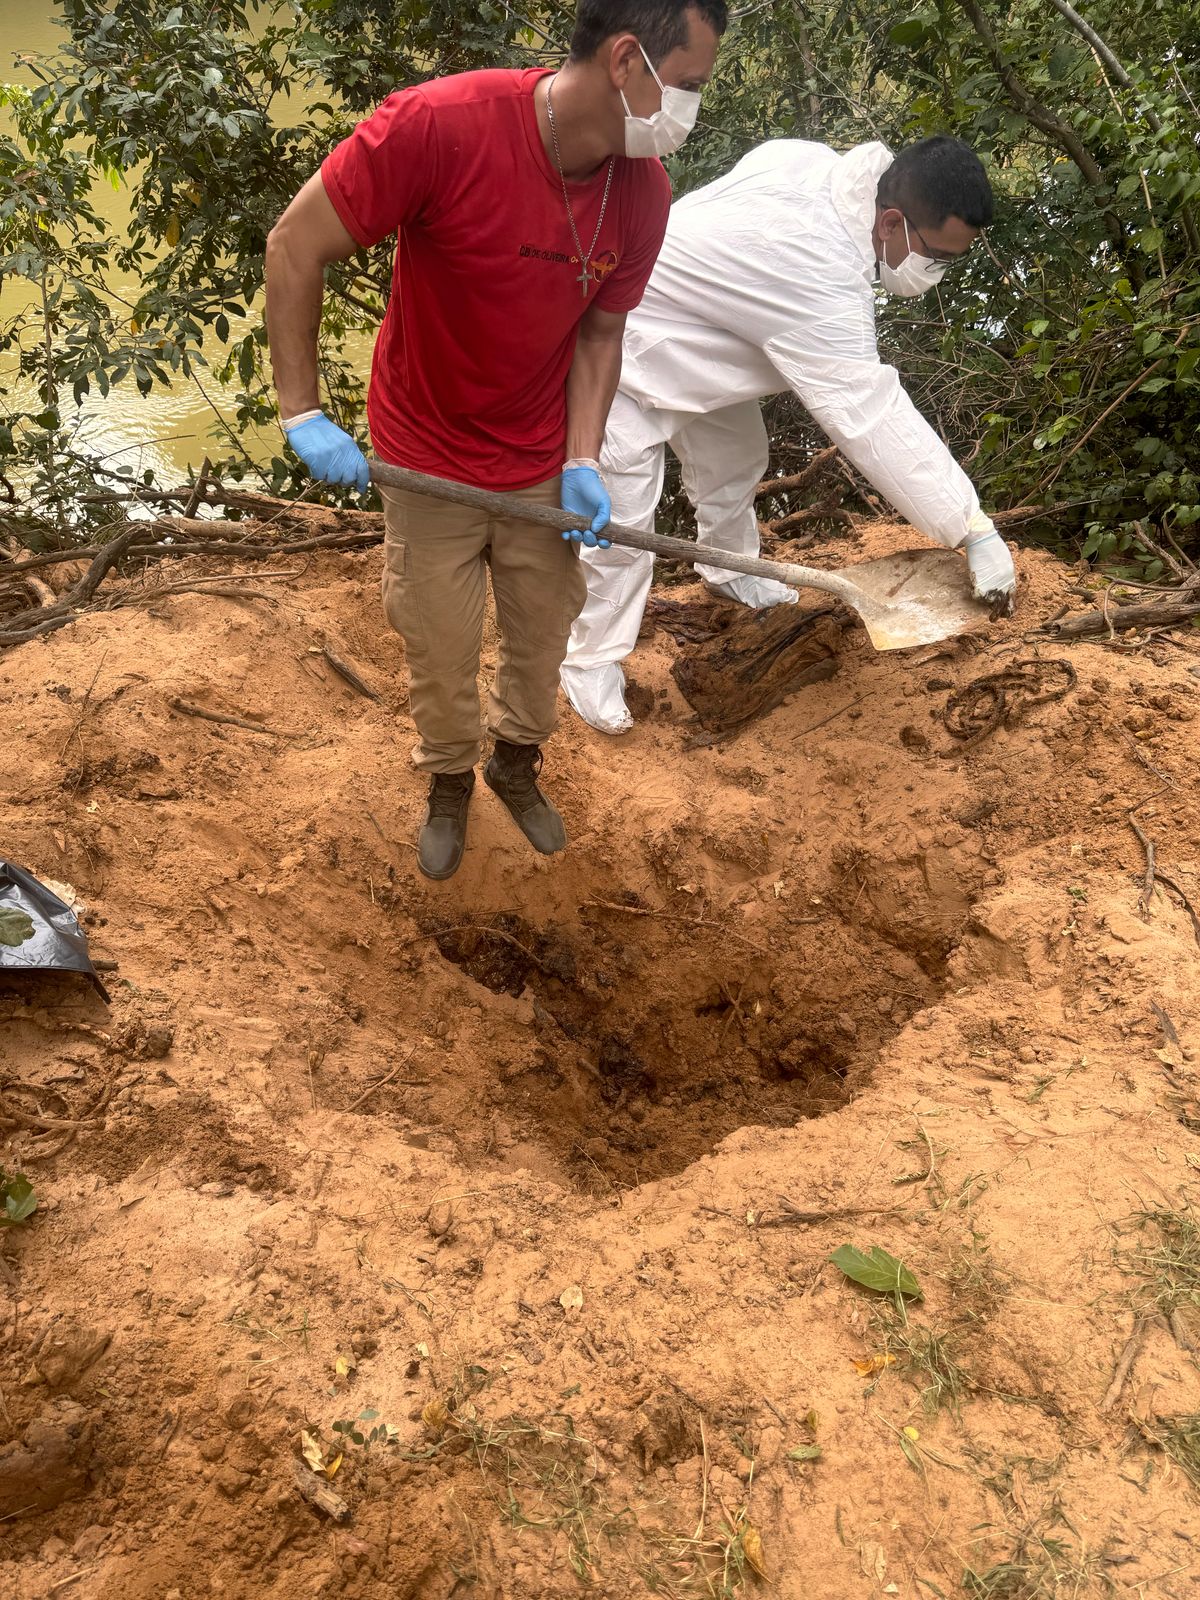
(39, 931)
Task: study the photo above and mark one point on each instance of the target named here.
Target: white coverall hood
(853, 185)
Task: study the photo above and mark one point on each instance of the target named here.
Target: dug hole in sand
(507, 1204)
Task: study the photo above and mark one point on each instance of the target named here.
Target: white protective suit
(766, 282)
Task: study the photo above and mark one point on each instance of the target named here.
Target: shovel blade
(915, 597)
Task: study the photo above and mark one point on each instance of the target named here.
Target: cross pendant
(584, 276)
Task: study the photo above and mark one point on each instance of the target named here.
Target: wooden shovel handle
(511, 505)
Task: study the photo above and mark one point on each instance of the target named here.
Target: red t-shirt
(470, 367)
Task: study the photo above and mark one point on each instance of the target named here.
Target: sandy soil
(557, 1207)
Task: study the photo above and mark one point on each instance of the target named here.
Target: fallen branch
(797, 480)
(194, 498)
(25, 1119)
(1147, 614)
(826, 510)
(147, 597)
(1128, 1356)
(67, 608)
(382, 1083)
(233, 722)
(793, 1217)
(318, 1493)
(340, 539)
(346, 671)
(1146, 897)
(1187, 904)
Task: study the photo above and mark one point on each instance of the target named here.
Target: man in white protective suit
(766, 282)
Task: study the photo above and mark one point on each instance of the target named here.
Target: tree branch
(1040, 115)
(1119, 75)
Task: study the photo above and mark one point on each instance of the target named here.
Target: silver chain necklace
(585, 275)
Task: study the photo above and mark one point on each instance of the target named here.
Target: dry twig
(671, 916)
(234, 722)
(1147, 893)
(352, 677)
(1128, 1356)
(381, 1082)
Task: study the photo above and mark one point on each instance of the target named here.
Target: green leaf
(15, 927)
(805, 1452)
(878, 1271)
(20, 1201)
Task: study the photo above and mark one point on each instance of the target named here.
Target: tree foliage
(1059, 360)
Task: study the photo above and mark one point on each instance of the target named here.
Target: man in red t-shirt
(529, 208)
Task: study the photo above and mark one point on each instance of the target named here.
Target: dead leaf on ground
(753, 1550)
(872, 1559)
(868, 1366)
(312, 1452)
(436, 1418)
(571, 1299)
(805, 1452)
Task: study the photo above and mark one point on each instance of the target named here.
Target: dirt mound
(529, 1181)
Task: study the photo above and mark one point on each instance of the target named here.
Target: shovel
(914, 597)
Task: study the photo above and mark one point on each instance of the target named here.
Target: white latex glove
(993, 576)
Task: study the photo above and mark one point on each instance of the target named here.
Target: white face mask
(665, 131)
(914, 275)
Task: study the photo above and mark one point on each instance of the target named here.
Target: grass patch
(1166, 1257)
(1179, 1439)
(540, 1474)
(932, 1366)
(1039, 1562)
(929, 1357)
(714, 1562)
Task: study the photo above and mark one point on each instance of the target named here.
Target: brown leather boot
(443, 834)
(512, 773)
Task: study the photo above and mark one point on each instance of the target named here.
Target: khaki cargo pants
(436, 558)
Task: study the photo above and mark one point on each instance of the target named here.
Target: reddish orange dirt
(557, 1206)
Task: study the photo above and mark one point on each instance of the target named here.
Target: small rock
(364, 1344)
(231, 1483)
(241, 1413)
(157, 1042)
(189, 1308)
(212, 1449)
(220, 1189)
(884, 1005)
(53, 1548)
(1027, 1054)
(88, 1543)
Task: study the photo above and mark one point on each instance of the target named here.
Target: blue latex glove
(584, 494)
(330, 454)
